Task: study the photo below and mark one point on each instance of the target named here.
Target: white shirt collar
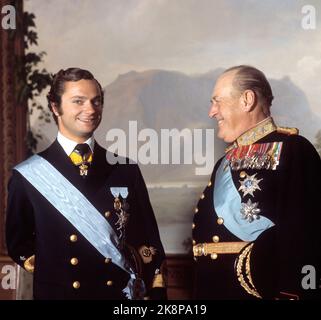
(69, 145)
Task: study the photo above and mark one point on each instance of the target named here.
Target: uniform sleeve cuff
(158, 281)
(29, 264)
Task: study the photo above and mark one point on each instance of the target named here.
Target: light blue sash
(75, 207)
(227, 204)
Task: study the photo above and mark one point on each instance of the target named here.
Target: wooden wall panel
(180, 277)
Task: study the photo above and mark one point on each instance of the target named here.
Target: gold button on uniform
(209, 184)
(74, 261)
(214, 256)
(194, 242)
(243, 174)
(196, 210)
(202, 196)
(216, 239)
(109, 283)
(76, 284)
(193, 225)
(107, 260)
(107, 214)
(73, 238)
(220, 220)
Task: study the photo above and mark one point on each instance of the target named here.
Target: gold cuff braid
(29, 264)
(158, 281)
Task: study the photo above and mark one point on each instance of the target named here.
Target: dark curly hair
(58, 81)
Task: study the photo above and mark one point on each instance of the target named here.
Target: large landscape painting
(158, 61)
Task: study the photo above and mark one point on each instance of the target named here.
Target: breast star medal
(249, 185)
(250, 211)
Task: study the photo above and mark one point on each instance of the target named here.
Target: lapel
(100, 168)
(93, 187)
(56, 155)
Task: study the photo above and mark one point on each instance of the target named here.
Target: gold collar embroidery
(261, 130)
(252, 135)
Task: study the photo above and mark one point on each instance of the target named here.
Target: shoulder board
(288, 131)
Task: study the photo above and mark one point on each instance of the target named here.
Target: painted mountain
(160, 99)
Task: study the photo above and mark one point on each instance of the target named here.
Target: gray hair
(250, 78)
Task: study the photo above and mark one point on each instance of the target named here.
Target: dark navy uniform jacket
(67, 266)
(289, 197)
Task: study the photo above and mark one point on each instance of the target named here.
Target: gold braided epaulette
(288, 131)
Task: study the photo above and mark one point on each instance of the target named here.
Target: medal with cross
(121, 207)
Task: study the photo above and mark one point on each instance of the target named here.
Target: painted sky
(111, 37)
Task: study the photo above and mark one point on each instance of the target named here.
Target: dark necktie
(82, 157)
